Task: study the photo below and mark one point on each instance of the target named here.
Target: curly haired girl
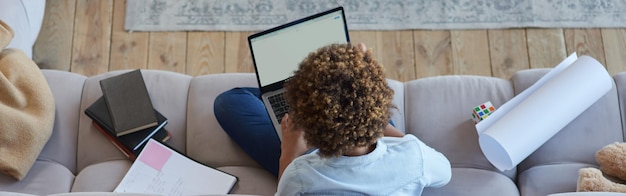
(340, 103)
(337, 137)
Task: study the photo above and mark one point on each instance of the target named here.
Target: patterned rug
(254, 15)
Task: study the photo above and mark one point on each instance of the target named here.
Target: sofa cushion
(469, 181)
(207, 142)
(620, 81)
(577, 142)
(438, 111)
(397, 115)
(101, 177)
(3, 193)
(102, 194)
(67, 89)
(44, 178)
(548, 179)
(252, 180)
(168, 92)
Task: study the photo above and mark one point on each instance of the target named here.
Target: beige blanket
(26, 109)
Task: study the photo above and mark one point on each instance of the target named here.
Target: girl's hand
(293, 143)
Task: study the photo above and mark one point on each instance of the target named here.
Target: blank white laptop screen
(279, 53)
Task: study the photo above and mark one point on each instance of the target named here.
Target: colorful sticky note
(155, 155)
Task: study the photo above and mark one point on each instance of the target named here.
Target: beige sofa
(78, 159)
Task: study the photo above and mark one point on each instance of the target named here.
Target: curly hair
(339, 96)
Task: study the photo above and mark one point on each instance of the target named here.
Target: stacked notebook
(125, 115)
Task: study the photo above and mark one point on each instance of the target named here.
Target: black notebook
(129, 103)
(99, 113)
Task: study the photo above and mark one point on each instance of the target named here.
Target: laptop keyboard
(279, 105)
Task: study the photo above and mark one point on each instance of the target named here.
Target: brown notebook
(129, 103)
(161, 135)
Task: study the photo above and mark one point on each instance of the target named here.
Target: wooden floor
(87, 37)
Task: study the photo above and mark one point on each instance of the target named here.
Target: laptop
(277, 53)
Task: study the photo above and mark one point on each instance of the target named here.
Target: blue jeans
(243, 117)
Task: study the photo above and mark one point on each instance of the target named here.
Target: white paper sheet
(523, 124)
(161, 170)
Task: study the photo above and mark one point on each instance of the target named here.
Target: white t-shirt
(398, 166)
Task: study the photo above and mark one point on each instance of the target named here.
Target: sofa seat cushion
(252, 180)
(549, 179)
(101, 194)
(101, 177)
(44, 178)
(470, 181)
(111, 194)
(4, 193)
(67, 89)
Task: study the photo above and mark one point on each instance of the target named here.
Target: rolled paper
(521, 126)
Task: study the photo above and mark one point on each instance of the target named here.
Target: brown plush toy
(612, 173)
